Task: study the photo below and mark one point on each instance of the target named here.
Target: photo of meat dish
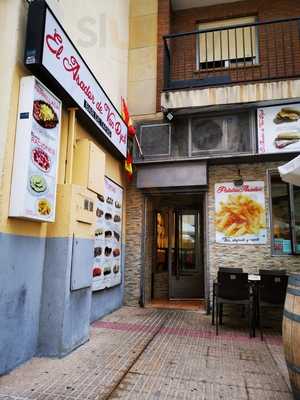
(287, 114)
(116, 252)
(44, 114)
(117, 218)
(109, 200)
(107, 251)
(97, 251)
(107, 271)
(97, 272)
(99, 212)
(117, 204)
(116, 268)
(117, 236)
(108, 216)
(41, 159)
(108, 234)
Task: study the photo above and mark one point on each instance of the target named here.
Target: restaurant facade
(216, 104)
(222, 113)
(63, 187)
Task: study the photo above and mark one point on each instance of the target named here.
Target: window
(229, 46)
(285, 208)
(226, 133)
(155, 140)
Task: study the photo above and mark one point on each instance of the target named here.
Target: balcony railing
(242, 53)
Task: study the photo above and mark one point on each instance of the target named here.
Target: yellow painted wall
(100, 31)
(107, 60)
(142, 57)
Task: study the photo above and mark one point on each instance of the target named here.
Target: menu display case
(33, 192)
(108, 237)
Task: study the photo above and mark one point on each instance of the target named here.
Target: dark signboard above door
(51, 55)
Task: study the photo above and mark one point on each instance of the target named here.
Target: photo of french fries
(240, 215)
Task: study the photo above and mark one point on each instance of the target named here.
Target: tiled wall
(134, 244)
(250, 257)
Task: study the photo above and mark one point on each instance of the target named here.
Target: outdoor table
(253, 283)
(254, 280)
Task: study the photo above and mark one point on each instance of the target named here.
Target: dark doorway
(178, 262)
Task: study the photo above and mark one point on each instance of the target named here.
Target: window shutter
(227, 44)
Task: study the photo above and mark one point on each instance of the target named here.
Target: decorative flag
(127, 118)
(128, 166)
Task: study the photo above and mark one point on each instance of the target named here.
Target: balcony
(235, 54)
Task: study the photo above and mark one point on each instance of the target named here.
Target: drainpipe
(70, 146)
(142, 281)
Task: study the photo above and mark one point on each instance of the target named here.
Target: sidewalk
(157, 354)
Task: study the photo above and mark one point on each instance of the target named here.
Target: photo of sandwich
(284, 139)
(287, 114)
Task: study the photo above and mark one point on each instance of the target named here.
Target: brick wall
(278, 55)
(250, 257)
(134, 244)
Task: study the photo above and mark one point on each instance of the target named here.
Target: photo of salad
(44, 114)
(38, 184)
(41, 159)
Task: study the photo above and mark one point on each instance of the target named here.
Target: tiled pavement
(157, 354)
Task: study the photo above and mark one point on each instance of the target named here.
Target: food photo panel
(240, 215)
(34, 180)
(279, 129)
(107, 251)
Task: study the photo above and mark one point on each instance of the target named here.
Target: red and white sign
(64, 63)
(240, 216)
(33, 191)
(279, 129)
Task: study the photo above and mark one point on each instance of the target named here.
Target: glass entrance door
(186, 272)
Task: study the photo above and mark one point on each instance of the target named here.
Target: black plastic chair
(221, 269)
(272, 291)
(233, 288)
